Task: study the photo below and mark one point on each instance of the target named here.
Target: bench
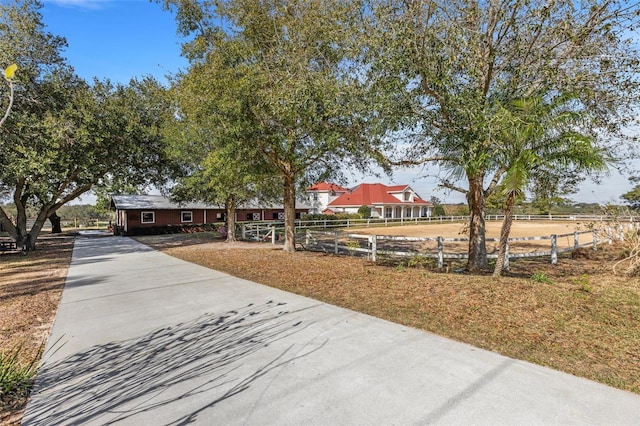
(8, 245)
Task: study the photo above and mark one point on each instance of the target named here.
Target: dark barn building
(135, 212)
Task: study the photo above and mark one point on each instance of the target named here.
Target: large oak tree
(298, 100)
(209, 139)
(64, 136)
(444, 65)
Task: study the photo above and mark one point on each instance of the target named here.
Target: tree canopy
(64, 135)
(295, 101)
(447, 66)
(633, 197)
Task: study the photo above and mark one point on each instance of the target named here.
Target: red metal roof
(368, 194)
(397, 188)
(326, 186)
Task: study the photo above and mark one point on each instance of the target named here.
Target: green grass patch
(17, 375)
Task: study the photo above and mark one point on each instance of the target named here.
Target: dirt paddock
(520, 229)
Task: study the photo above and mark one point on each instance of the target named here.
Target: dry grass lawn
(30, 289)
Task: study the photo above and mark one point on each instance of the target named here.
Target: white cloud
(84, 4)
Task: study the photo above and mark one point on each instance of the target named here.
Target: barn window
(186, 216)
(148, 217)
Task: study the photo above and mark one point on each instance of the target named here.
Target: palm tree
(536, 135)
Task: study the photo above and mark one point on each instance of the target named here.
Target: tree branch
(6, 114)
(494, 182)
(452, 187)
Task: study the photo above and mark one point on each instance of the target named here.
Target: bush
(438, 210)
(364, 212)
(173, 229)
(333, 217)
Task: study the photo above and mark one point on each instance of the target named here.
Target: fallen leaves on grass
(30, 289)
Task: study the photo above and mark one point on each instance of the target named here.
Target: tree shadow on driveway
(205, 359)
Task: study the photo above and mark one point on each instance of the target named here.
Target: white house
(394, 202)
(321, 194)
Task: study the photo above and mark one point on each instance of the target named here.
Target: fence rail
(373, 246)
(377, 222)
(74, 223)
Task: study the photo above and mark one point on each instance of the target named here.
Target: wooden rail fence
(372, 244)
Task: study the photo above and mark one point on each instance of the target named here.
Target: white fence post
(610, 235)
(273, 235)
(595, 239)
(440, 253)
(554, 249)
(373, 242)
(244, 231)
(307, 239)
(576, 240)
(335, 243)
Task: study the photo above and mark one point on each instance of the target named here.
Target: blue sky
(116, 39)
(122, 39)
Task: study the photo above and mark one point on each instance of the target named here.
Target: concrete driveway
(142, 338)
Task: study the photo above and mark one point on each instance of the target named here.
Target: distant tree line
(66, 212)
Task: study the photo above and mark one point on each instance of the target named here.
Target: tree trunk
(289, 213)
(477, 240)
(22, 237)
(7, 224)
(55, 223)
(230, 210)
(34, 232)
(505, 230)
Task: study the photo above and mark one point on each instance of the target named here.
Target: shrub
(364, 212)
(438, 210)
(172, 229)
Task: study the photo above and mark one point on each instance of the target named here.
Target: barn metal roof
(159, 202)
(153, 202)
